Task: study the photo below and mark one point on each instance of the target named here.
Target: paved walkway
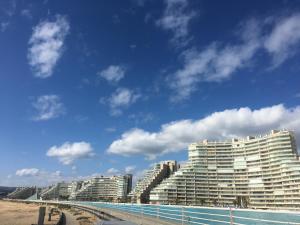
(136, 219)
(117, 223)
(70, 219)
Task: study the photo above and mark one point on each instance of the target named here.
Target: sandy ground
(12, 213)
(16, 213)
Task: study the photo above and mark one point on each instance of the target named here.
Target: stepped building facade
(60, 191)
(152, 178)
(22, 193)
(114, 188)
(255, 172)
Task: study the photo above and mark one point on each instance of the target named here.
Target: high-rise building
(124, 185)
(256, 172)
(22, 193)
(61, 190)
(103, 188)
(152, 178)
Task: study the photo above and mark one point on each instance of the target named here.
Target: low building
(152, 178)
(256, 172)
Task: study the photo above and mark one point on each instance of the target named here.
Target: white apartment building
(152, 177)
(61, 190)
(102, 188)
(256, 172)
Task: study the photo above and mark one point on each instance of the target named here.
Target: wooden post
(42, 212)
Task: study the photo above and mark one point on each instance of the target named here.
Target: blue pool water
(202, 215)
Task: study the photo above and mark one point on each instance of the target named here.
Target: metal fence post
(182, 216)
(231, 216)
(142, 215)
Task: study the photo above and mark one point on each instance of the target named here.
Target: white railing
(203, 216)
(185, 215)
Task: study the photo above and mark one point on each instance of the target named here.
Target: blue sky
(109, 87)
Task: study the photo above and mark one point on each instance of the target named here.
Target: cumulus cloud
(121, 99)
(130, 169)
(46, 45)
(219, 61)
(34, 176)
(48, 107)
(113, 73)
(28, 172)
(177, 135)
(283, 39)
(67, 153)
(176, 18)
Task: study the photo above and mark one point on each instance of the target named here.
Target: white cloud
(67, 153)
(112, 171)
(122, 98)
(177, 135)
(34, 176)
(113, 73)
(46, 45)
(141, 117)
(219, 61)
(48, 107)
(4, 26)
(7, 12)
(176, 18)
(215, 63)
(26, 13)
(130, 169)
(28, 172)
(140, 3)
(283, 39)
(110, 129)
(8, 9)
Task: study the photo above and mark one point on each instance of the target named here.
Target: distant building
(152, 178)
(256, 172)
(124, 186)
(61, 191)
(103, 188)
(22, 193)
(4, 191)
